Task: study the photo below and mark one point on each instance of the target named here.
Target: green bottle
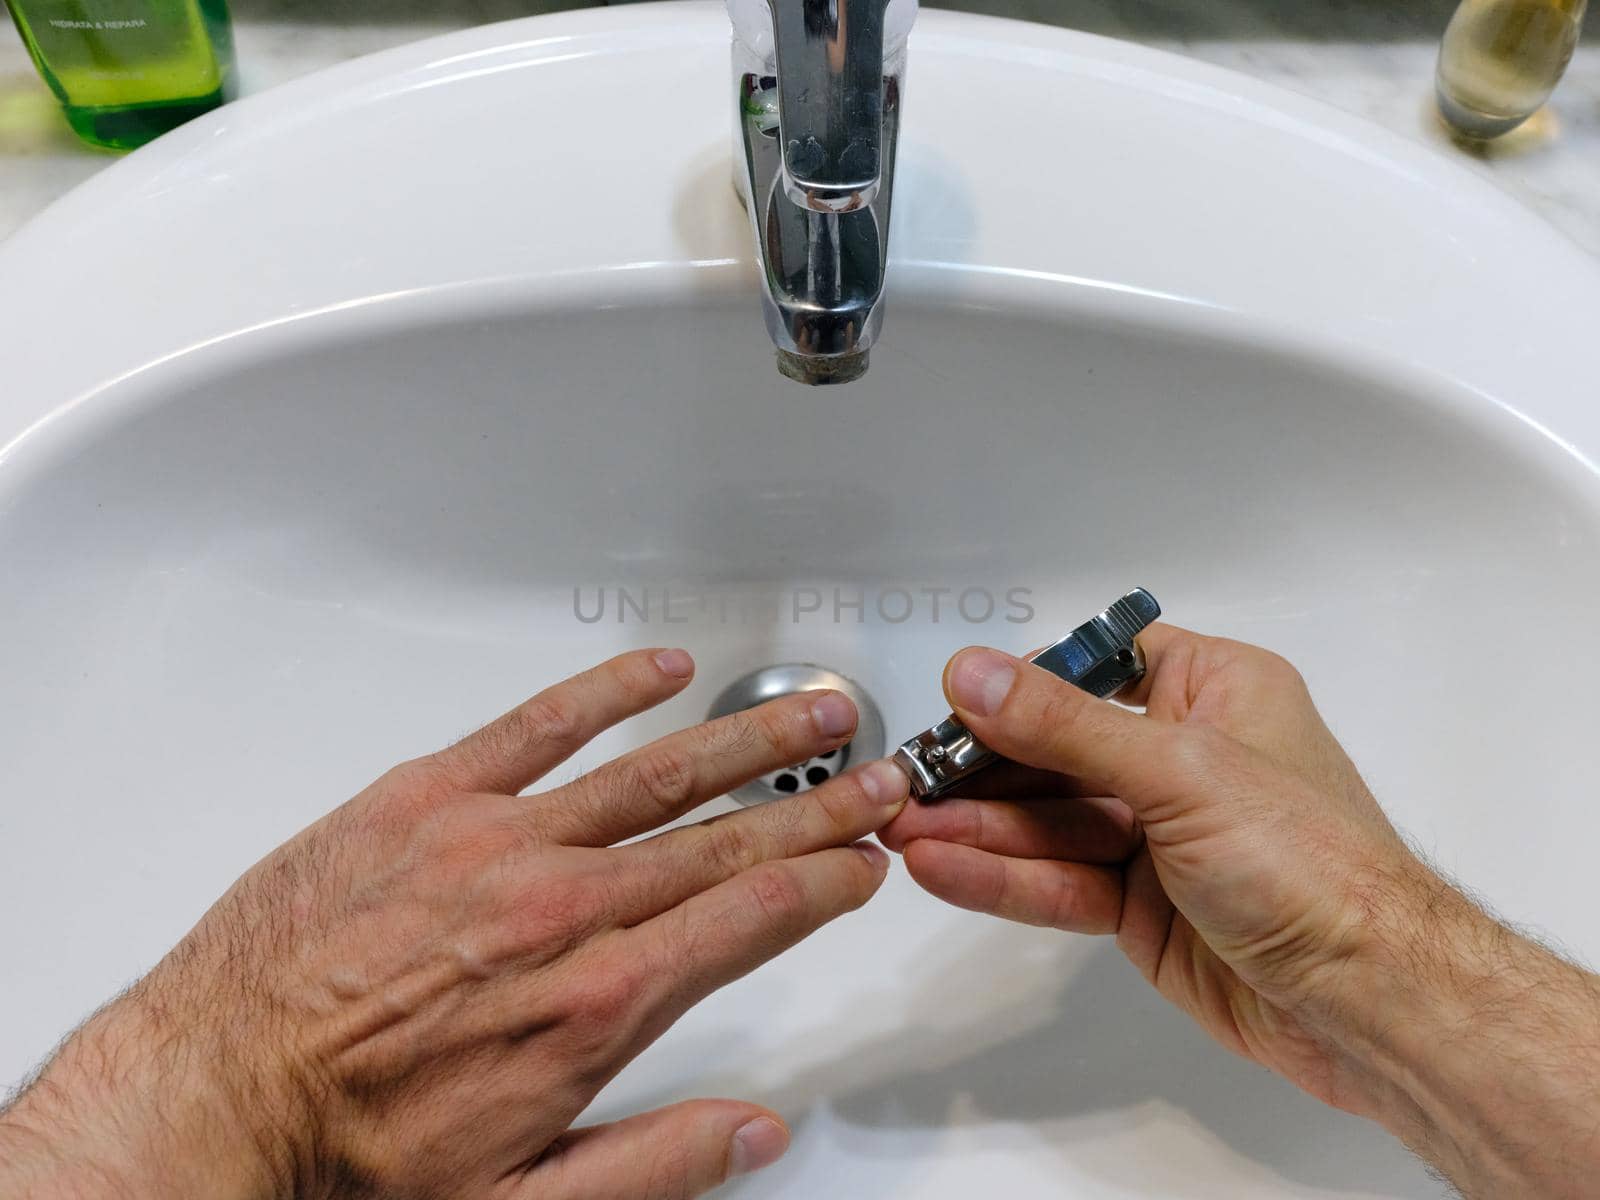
(129, 70)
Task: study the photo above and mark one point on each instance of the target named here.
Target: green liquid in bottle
(129, 70)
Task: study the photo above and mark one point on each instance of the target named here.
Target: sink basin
(325, 420)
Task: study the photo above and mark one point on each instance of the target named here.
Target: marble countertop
(1370, 57)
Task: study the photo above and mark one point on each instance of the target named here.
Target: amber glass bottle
(1501, 59)
(128, 70)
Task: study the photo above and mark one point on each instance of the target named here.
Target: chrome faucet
(817, 88)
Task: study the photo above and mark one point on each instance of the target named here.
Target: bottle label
(69, 23)
(108, 53)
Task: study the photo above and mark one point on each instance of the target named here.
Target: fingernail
(874, 854)
(979, 681)
(757, 1144)
(676, 663)
(834, 714)
(884, 783)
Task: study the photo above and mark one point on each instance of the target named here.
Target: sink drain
(786, 679)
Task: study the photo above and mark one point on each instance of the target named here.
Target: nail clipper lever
(1100, 656)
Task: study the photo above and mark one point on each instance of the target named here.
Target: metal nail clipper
(1101, 656)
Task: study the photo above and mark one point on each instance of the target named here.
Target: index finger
(1258, 691)
(515, 749)
(649, 787)
(1168, 651)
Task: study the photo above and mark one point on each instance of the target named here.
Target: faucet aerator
(816, 371)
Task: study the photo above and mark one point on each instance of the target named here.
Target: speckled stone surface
(1369, 57)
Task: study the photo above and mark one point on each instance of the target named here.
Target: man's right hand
(1229, 844)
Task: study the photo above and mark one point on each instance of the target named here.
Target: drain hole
(787, 679)
(802, 777)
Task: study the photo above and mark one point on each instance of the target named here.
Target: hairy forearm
(126, 1110)
(1486, 1049)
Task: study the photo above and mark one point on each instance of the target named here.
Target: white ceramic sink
(315, 413)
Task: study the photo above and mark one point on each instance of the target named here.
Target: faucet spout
(818, 104)
(830, 100)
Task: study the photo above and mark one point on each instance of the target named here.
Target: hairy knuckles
(839, 802)
(775, 728)
(555, 915)
(427, 777)
(605, 1004)
(666, 778)
(611, 996)
(736, 736)
(734, 846)
(548, 719)
(777, 893)
(400, 799)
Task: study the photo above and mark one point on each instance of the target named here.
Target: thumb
(672, 1153)
(1035, 718)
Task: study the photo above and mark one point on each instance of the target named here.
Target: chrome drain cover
(786, 679)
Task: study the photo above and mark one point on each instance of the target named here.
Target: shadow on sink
(1082, 1039)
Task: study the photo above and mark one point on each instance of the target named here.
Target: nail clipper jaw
(1101, 656)
(938, 758)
